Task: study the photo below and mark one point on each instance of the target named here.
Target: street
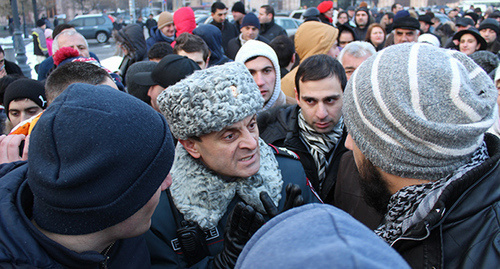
(103, 51)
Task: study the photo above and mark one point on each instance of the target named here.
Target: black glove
(293, 199)
(192, 242)
(241, 224)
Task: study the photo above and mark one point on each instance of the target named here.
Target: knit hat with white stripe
(412, 121)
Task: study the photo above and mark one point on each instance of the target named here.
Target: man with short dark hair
(159, 50)
(193, 47)
(423, 154)
(228, 30)
(239, 12)
(387, 21)
(268, 28)
(396, 7)
(313, 128)
(285, 50)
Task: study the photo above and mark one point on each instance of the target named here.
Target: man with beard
(423, 155)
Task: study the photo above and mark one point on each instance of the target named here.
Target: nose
(349, 142)
(258, 79)
(321, 112)
(249, 140)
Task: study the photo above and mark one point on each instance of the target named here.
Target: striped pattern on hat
(418, 111)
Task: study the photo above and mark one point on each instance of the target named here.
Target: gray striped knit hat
(210, 100)
(418, 111)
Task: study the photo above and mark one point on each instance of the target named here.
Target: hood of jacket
(134, 37)
(313, 38)
(184, 20)
(254, 48)
(213, 37)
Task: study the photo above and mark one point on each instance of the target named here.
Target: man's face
(489, 35)
(264, 17)
(238, 16)
(23, 109)
(375, 190)
(361, 18)
(321, 103)
(196, 56)
(397, 8)
(75, 41)
(249, 32)
(404, 36)
(264, 75)
(220, 15)
(153, 93)
(168, 30)
(384, 21)
(232, 152)
(351, 13)
(345, 38)
(351, 63)
(424, 26)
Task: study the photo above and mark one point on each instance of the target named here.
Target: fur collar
(203, 196)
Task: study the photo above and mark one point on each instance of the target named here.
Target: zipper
(104, 263)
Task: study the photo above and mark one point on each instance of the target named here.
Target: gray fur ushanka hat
(210, 100)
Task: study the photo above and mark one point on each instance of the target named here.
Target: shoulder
(284, 152)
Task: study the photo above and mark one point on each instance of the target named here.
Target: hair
(395, 5)
(284, 48)
(159, 50)
(357, 49)
(370, 29)
(346, 29)
(5, 81)
(269, 9)
(390, 15)
(61, 27)
(73, 72)
(55, 44)
(191, 43)
(318, 67)
(343, 12)
(217, 5)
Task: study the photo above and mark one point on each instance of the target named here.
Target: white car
(289, 24)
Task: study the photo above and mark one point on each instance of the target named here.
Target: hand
(241, 224)
(9, 148)
(293, 199)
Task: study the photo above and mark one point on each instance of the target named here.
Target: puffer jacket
(463, 228)
(24, 246)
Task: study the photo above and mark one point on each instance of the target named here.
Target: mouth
(246, 159)
(322, 125)
(263, 92)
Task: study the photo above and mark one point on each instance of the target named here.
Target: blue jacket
(162, 238)
(155, 35)
(48, 65)
(213, 37)
(24, 246)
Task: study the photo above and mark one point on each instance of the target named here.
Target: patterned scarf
(320, 144)
(411, 204)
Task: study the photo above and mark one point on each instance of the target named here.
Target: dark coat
(47, 66)
(12, 68)
(494, 47)
(155, 35)
(463, 229)
(133, 37)
(228, 31)
(213, 37)
(234, 46)
(271, 30)
(279, 126)
(161, 239)
(150, 23)
(22, 245)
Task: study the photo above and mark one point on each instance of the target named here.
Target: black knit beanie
(25, 88)
(98, 156)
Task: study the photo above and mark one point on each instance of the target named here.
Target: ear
(191, 147)
(297, 96)
(293, 57)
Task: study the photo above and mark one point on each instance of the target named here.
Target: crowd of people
(366, 140)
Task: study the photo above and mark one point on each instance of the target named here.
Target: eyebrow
(231, 128)
(334, 96)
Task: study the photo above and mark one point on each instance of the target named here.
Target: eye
(14, 113)
(267, 70)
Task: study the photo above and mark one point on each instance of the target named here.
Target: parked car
(93, 26)
(289, 24)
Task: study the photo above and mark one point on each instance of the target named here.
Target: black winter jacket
(228, 31)
(463, 229)
(234, 46)
(24, 246)
(271, 30)
(279, 126)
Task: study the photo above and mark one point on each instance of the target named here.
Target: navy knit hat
(25, 88)
(40, 22)
(98, 157)
(250, 19)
